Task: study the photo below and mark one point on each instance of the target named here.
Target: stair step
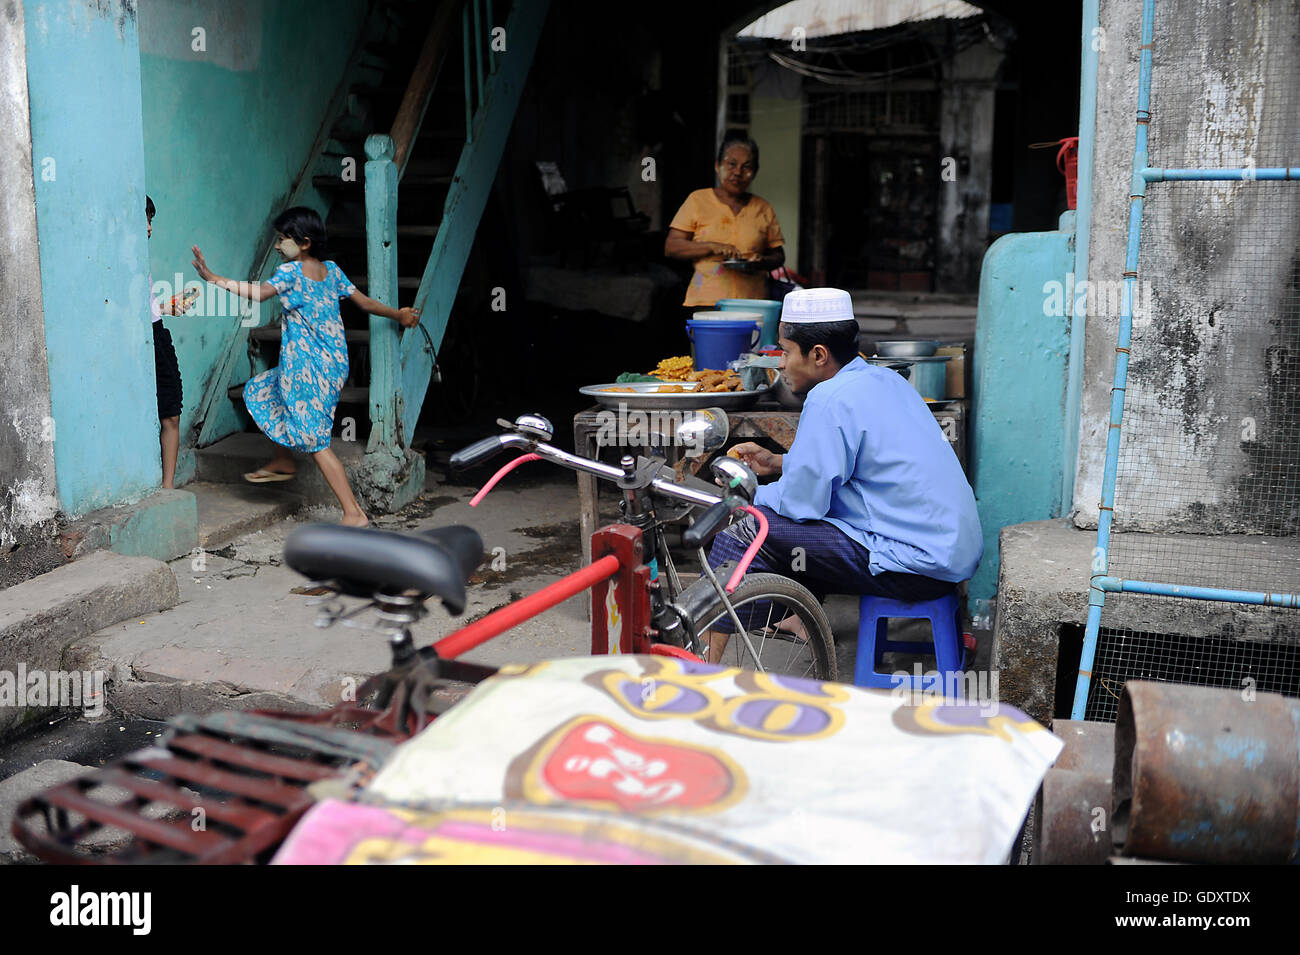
(442, 134)
(403, 281)
(358, 232)
(352, 395)
(379, 90)
(230, 458)
(228, 511)
(273, 333)
(417, 179)
(336, 182)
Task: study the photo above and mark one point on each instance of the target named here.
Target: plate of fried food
(676, 384)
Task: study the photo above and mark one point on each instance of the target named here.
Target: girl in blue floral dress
(294, 403)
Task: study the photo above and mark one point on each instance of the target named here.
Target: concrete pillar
(776, 124)
(1216, 273)
(87, 160)
(28, 501)
(967, 96)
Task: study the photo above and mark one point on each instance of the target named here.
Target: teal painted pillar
(1022, 341)
(83, 76)
(381, 267)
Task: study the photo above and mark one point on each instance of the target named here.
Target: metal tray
(643, 397)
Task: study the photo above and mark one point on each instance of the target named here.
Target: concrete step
(229, 459)
(40, 618)
(227, 511)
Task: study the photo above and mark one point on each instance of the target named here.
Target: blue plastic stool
(873, 621)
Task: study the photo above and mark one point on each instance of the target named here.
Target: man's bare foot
(793, 625)
(356, 520)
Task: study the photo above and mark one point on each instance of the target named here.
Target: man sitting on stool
(871, 498)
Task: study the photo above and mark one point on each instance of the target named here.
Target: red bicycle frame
(620, 582)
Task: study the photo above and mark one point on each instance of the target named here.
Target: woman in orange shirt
(727, 222)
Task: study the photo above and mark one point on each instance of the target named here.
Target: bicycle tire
(784, 656)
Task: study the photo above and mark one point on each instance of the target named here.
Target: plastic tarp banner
(658, 760)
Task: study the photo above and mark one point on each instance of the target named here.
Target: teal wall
(1022, 343)
(227, 130)
(83, 76)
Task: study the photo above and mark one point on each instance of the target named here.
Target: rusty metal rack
(228, 787)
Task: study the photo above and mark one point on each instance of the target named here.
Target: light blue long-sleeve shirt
(869, 458)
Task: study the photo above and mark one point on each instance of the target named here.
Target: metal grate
(1207, 482)
(1214, 391)
(1258, 666)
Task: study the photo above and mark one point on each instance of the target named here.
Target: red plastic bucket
(1067, 160)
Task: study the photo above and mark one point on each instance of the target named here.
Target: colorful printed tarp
(649, 759)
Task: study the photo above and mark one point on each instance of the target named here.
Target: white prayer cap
(817, 305)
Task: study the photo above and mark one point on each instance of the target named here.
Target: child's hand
(200, 265)
(408, 317)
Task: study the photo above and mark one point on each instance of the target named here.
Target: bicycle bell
(736, 477)
(534, 426)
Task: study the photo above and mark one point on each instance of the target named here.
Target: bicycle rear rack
(224, 788)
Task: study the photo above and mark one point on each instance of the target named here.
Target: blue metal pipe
(1105, 516)
(1201, 175)
(1116, 585)
(1082, 242)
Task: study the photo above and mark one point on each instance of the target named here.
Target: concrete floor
(242, 637)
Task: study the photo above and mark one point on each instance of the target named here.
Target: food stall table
(775, 423)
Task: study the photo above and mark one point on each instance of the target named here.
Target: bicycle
(250, 772)
(754, 611)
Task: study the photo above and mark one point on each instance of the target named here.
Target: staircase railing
(496, 59)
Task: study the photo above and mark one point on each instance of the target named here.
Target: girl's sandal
(263, 476)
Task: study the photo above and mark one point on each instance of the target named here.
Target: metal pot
(909, 349)
(929, 376)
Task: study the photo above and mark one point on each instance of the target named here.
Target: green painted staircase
(401, 223)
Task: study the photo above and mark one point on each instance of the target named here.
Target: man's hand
(761, 461)
(408, 317)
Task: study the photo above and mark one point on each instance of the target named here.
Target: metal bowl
(645, 396)
(916, 349)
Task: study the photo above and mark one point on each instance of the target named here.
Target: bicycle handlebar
(481, 451)
(707, 524)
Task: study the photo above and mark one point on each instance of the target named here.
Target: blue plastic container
(719, 342)
(770, 310)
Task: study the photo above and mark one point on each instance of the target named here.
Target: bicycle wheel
(761, 602)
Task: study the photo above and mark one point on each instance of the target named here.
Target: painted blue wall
(1022, 343)
(83, 74)
(230, 116)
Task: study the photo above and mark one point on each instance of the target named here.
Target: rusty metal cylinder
(1206, 775)
(1072, 824)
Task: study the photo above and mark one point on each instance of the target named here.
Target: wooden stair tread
(272, 333)
(403, 281)
(353, 395)
(359, 232)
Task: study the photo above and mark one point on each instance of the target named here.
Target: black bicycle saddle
(359, 561)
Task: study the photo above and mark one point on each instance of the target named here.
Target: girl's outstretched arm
(257, 291)
(406, 317)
